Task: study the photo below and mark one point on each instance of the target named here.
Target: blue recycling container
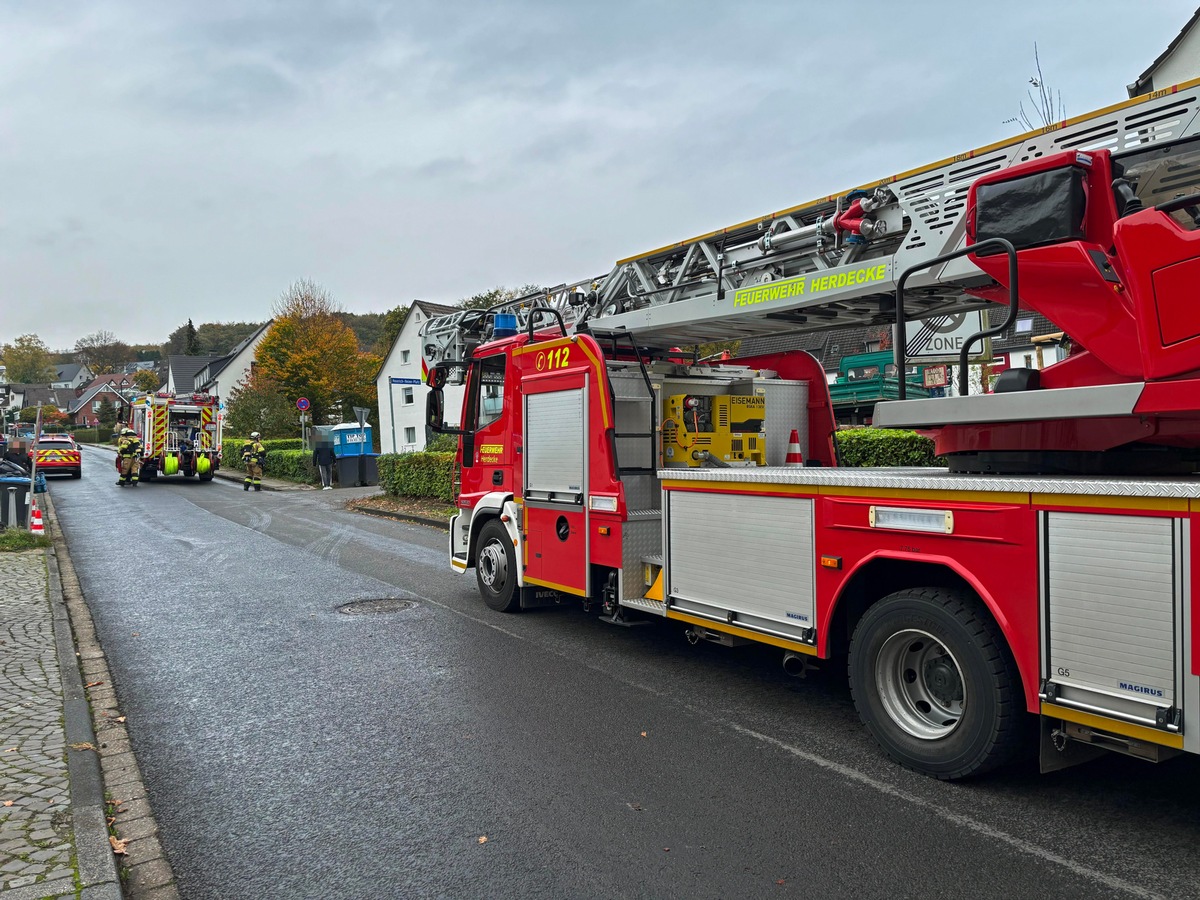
(350, 440)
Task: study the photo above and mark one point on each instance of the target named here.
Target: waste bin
(355, 470)
(14, 502)
(353, 460)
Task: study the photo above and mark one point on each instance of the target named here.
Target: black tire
(207, 477)
(936, 685)
(496, 568)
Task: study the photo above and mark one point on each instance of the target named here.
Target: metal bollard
(12, 507)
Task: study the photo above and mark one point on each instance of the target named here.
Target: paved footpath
(36, 840)
(54, 839)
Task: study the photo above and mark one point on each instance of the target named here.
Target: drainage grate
(375, 607)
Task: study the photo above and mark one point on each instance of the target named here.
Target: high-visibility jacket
(254, 450)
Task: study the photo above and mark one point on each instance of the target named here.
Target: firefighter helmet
(255, 435)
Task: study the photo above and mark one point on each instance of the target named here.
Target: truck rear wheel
(496, 568)
(935, 684)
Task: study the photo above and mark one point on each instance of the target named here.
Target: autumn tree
(259, 404)
(27, 361)
(102, 352)
(146, 380)
(310, 352)
(51, 415)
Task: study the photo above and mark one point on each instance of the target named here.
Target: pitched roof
(183, 370)
(434, 309)
(1145, 81)
(205, 376)
(32, 394)
(90, 394)
(67, 371)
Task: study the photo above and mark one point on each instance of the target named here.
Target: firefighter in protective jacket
(253, 456)
(129, 452)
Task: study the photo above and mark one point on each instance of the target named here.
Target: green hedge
(432, 474)
(885, 447)
(231, 452)
(94, 435)
(418, 475)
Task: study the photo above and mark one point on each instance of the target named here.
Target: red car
(57, 454)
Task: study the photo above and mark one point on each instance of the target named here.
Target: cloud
(195, 159)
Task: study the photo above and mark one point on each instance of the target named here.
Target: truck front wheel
(496, 567)
(935, 684)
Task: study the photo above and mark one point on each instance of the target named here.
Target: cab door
(555, 481)
(488, 427)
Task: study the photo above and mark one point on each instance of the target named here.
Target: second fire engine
(180, 434)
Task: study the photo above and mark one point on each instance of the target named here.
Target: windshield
(1163, 172)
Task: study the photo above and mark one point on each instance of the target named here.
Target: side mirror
(435, 412)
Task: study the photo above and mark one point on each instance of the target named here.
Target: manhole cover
(375, 607)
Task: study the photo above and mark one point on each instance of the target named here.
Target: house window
(1024, 326)
(1029, 360)
(408, 396)
(95, 406)
(410, 435)
(403, 356)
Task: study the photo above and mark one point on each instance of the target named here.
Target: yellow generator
(714, 431)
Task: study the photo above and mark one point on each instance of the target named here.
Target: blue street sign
(405, 380)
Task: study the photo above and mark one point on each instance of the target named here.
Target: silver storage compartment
(743, 559)
(554, 445)
(1111, 613)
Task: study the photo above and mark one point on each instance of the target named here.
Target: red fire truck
(1043, 577)
(180, 434)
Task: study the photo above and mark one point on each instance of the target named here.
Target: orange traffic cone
(35, 521)
(794, 456)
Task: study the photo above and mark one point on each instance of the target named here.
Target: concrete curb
(401, 517)
(109, 774)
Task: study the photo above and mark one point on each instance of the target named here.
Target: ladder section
(829, 263)
(834, 262)
(456, 335)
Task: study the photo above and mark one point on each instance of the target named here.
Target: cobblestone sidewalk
(36, 843)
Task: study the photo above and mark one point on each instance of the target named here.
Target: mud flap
(533, 596)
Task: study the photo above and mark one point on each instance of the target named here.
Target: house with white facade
(1178, 63)
(401, 384)
(71, 375)
(222, 375)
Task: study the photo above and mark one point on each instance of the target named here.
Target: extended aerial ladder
(828, 263)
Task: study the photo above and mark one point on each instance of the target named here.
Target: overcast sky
(162, 161)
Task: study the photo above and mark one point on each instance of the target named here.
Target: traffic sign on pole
(302, 404)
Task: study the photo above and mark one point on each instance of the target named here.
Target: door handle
(497, 477)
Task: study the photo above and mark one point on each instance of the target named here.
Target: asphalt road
(291, 750)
